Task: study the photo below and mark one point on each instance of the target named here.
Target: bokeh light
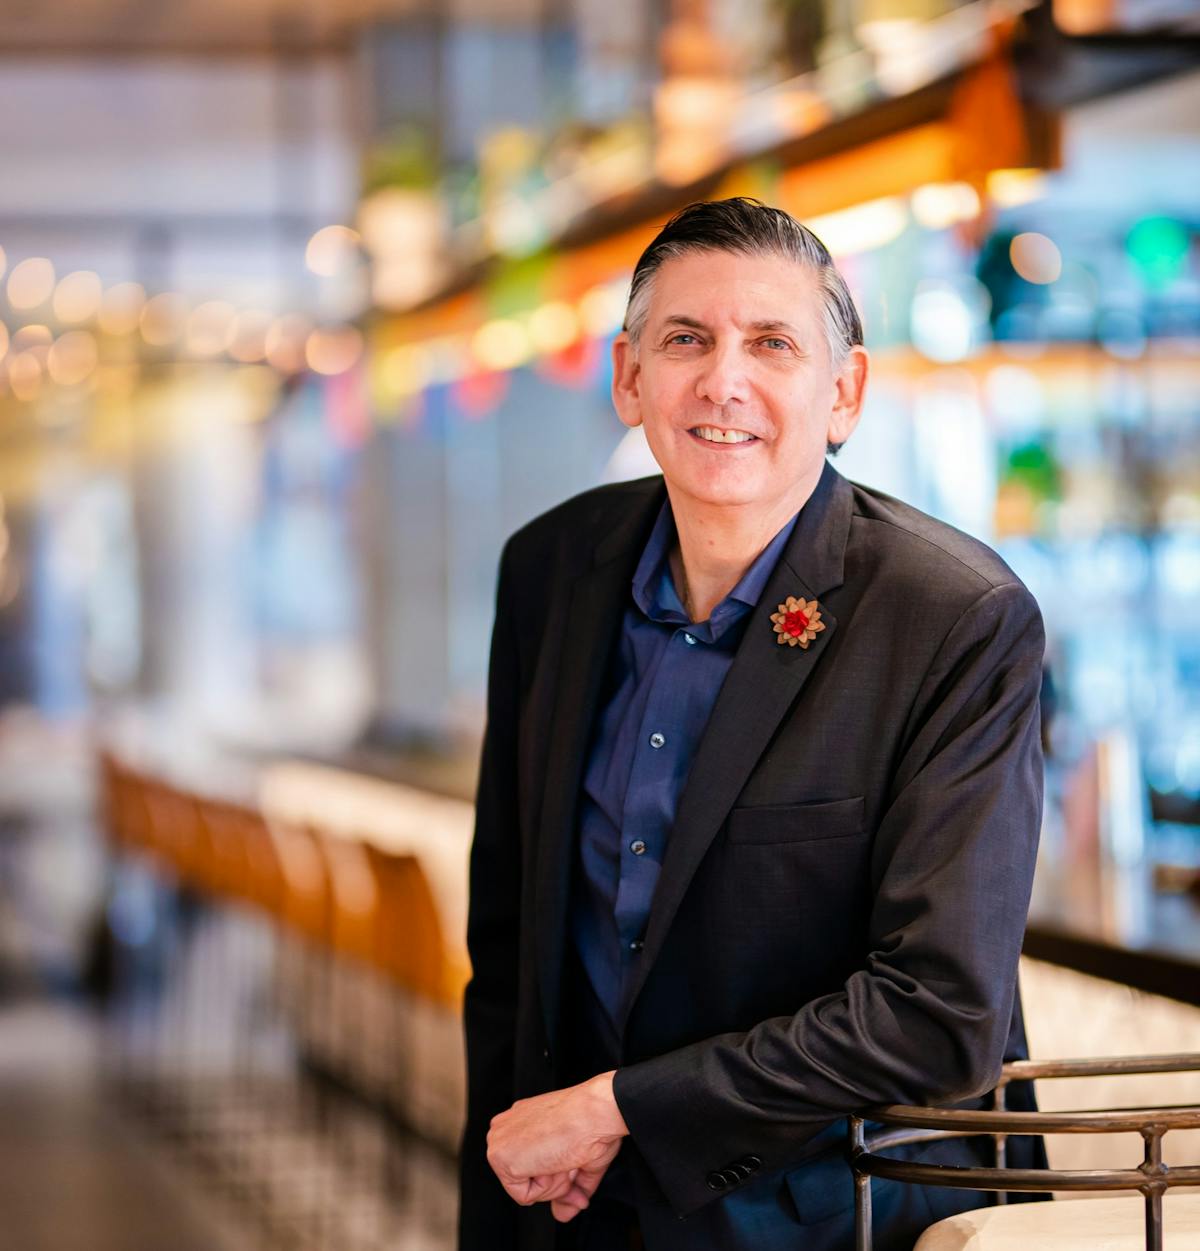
(285, 341)
(1010, 188)
(33, 337)
(31, 282)
(553, 326)
(500, 344)
(25, 376)
(948, 319)
(1159, 248)
(208, 327)
(332, 250)
(333, 350)
(602, 309)
(77, 296)
(1035, 257)
(121, 307)
(72, 357)
(162, 318)
(938, 205)
(406, 369)
(246, 337)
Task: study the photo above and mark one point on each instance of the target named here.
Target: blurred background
(304, 307)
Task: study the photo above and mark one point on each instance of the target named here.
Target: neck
(719, 542)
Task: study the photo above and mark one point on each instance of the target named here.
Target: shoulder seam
(881, 521)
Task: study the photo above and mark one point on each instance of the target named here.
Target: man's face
(734, 346)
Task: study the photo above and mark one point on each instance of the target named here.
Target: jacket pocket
(794, 823)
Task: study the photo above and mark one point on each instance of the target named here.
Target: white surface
(1108, 1224)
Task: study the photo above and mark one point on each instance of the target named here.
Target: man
(759, 798)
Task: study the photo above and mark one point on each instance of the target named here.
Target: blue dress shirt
(665, 676)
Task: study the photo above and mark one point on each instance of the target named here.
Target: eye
(683, 334)
(776, 344)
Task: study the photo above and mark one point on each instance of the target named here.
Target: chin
(712, 490)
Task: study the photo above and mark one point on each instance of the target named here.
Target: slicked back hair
(748, 227)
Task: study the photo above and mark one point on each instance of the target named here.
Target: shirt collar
(654, 587)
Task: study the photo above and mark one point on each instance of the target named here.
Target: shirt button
(656, 739)
(636, 945)
(690, 639)
(637, 847)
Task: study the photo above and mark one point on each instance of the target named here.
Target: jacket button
(716, 1181)
(752, 1162)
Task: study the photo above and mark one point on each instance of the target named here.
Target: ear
(850, 388)
(625, 378)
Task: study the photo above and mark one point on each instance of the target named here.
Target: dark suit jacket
(841, 908)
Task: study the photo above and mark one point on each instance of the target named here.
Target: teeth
(715, 435)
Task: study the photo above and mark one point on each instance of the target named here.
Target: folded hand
(556, 1147)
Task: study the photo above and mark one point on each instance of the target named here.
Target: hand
(556, 1147)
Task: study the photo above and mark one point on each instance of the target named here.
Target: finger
(576, 1198)
(549, 1186)
(589, 1179)
(518, 1190)
(530, 1190)
(569, 1206)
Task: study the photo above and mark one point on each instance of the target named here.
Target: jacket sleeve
(926, 1019)
(487, 1216)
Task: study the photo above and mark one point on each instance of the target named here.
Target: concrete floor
(86, 1165)
(83, 1169)
(75, 1173)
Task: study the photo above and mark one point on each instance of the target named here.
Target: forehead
(716, 287)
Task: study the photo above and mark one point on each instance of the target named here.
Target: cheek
(665, 389)
(662, 401)
(799, 416)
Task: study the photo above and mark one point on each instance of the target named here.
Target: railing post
(1154, 1169)
(999, 1104)
(862, 1187)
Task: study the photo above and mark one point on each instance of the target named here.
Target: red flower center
(795, 623)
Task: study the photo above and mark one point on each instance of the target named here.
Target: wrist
(600, 1090)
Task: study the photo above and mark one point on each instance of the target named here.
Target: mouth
(718, 436)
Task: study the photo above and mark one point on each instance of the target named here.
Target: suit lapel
(763, 682)
(596, 604)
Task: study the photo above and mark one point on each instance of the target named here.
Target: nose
(722, 376)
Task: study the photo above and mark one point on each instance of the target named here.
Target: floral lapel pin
(797, 622)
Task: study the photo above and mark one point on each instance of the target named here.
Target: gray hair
(747, 227)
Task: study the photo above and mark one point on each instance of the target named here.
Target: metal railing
(903, 1125)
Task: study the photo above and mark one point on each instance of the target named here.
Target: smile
(714, 434)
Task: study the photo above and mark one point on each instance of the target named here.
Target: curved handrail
(960, 1177)
(986, 1121)
(1107, 1066)
(902, 1124)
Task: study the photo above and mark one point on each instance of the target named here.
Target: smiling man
(759, 799)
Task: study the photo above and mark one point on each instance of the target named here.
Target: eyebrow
(691, 323)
